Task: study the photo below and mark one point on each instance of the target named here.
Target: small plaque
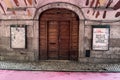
(18, 36)
(101, 37)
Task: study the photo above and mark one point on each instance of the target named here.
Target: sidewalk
(44, 75)
(59, 66)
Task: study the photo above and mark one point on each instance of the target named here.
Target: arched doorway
(58, 35)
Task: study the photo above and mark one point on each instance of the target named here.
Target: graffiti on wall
(4, 4)
(98, 3)
(91, 13)
(116, 7)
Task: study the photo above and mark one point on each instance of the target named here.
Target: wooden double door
(58, 40)
(58, 36)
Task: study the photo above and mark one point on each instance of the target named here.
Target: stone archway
(59, 33)
(68, 6)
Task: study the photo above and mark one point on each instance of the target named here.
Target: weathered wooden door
(58, 40)
(59, 35)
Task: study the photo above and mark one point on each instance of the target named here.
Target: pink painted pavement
(43, 75)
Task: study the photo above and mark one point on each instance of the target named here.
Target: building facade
(75, 30)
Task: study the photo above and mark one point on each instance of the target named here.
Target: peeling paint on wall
(2, 8)
(30, 2)
(89, 7)
(25, 2)
(116, 7)
(16, 2)
(108, 5)
(117, 14)
(99, 3)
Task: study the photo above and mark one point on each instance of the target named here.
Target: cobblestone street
(59, 66)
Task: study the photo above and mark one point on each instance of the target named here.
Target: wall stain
(92, 3)
(30, 2)
(104, 14)
(2, 8)
(16, 2)
(108, 5)
(25, 2)
(116, 7)
(35, 1)
(87, 2)
(88, 11)
(117, 14)
(93, 12)
(97, 14)
(97, 4)
(13, 12)
(29, 13)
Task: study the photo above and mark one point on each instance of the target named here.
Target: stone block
(88, 32)
(114, 42)
(83, 60)
(115, 32)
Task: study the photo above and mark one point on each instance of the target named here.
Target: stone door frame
(68, 6)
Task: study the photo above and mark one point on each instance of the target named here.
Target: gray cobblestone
(59, 66)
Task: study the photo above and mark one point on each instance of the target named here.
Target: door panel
(52, 40)
(74, 41)
(43, 40)
(64, 42)
(58, 40)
